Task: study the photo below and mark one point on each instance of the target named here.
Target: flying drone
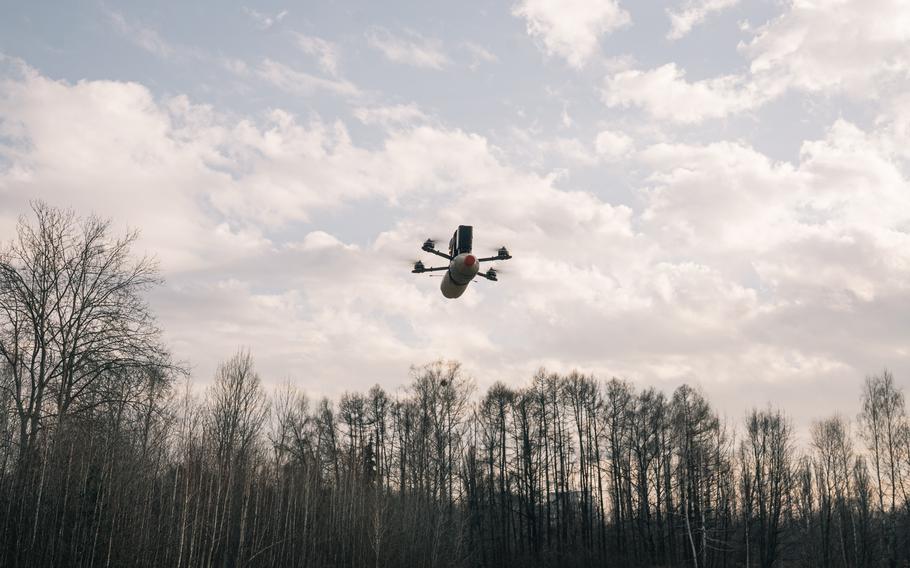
(463, 266)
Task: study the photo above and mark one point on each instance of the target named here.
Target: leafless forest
(108, 457)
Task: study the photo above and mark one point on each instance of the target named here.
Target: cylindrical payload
(462, 270)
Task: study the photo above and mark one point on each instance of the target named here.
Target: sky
(711, 192)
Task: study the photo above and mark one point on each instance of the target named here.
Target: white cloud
(834, 223)
(237, 67)
(142, 36)
(703, 198)
(479, 55)
(571, 29)
(853, 46)
(666, 95)
(326, 52)
(290, 170)
(566, 119)
(824, 243)
(830, 48)
(319, 240)
(300, 82)
(206, 190)
(411, 49)
(863, 185)
(573, 150)
(692, 13)
(265, 21)
(734, 268)
(612, 144)
(894, 123)
(109, 147)
(390, 115)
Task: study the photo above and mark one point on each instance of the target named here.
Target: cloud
(109, 147)
(666, 95)
(842, 211)
(142, 36)
(390, 115)
(293, 170)
(613, 144)
(319, 240)
(573, 150)
(855, 47)
(692, 13)
(566, 118)
(300, 82)
(842, 48)
(731, 267)
(714, 197)
(823, 243)
(479, 55)
(414, 49)
(571, 29)
(265, 21)
(894, 123)
(208, 191)
(326, 52)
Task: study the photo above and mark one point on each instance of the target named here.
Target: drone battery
(465, 238)
(462, 240)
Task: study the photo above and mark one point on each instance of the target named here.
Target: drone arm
(432, 269)
(437, 253)
(492, 258)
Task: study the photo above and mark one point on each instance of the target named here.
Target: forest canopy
(108, 456)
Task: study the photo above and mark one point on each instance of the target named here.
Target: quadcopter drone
(463, 266)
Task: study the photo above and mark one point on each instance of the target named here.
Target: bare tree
(767, 460)
(237, 410)
(833, 471)
(883, 422)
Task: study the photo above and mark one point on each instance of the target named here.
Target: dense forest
(109, 456)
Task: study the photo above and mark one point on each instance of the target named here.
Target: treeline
(109, 457)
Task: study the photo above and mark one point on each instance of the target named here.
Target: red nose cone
(469, 260)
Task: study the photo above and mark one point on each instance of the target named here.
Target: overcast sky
(705, 191)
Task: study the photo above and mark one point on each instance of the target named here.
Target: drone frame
(429, 246)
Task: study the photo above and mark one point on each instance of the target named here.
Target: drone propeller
(492, 274)
(501, 252)
(431, 242)
(408, 260)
